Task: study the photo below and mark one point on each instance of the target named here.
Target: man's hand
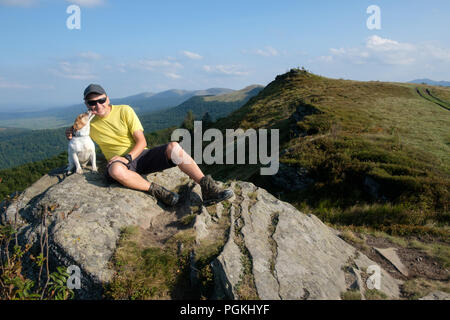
(117, 158)
(69, 133)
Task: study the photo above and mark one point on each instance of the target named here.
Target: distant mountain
(45, 119)
(217, 106)
(431, 82)
(133, 99)
(64, 116)
(148, 102)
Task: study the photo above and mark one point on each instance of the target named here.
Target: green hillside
(21, 177)
(377, 153)
(19, 146)
(218, 106)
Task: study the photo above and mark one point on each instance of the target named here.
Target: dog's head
(82, 120)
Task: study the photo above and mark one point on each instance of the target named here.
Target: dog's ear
(78, 124)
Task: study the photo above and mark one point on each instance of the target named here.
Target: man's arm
(141, 143)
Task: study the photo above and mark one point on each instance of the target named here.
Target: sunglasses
(94, 102)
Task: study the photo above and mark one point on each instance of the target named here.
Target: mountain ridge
(63, 116)
(431, 82)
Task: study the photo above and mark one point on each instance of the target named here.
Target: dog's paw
(94, 169)
(80, 171)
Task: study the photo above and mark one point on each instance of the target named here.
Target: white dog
(81, 147)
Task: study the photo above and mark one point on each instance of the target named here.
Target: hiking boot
(211, 193)
(169, 198)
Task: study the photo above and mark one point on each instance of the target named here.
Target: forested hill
(18, 146)
(21, 177)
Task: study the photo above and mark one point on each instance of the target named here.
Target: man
(118, 132)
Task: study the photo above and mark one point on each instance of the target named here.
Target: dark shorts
(150, 160)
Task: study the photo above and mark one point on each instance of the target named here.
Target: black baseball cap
(93, 88)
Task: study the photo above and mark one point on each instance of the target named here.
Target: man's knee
(173, 147)
(117, 171)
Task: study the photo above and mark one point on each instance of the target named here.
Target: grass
(348, 236)
(418, 288)
(351, 295)
(374, 294)
(148, 272)
(440, 251)
(188, 219)
(252, 195)
(273, 244)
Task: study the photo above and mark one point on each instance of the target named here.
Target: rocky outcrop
(271, 250)
(293, 255)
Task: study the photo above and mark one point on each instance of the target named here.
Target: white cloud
(437, 52)
(90, 55)
(192, 55)
(354, 55)
(230, 70)
(325, 58)
(151, 65)
(377, 43)
(389, 52)
(267, 52)
(78, 71)
(172, 75)
(88, 3)
(4, 84)
(18, 3)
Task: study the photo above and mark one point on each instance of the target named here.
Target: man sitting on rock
(119, 134)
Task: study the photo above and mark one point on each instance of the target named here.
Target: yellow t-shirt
(114, 133)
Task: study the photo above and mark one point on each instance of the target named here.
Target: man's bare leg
(119, 172)
(211, 193)
(133, 180)
(188, 165)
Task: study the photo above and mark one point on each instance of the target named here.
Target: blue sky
(135, 46)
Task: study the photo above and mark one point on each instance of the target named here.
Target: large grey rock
(86, 221)
(296, 256)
